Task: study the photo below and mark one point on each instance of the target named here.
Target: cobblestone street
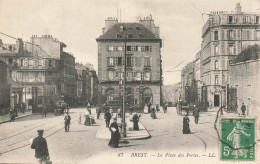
(80, 144)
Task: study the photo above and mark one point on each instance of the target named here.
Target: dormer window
(129, 35)
(140, 35)
(130, 29)
(137, 28)
(118, 36)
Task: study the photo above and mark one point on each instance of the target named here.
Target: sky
(78, 23)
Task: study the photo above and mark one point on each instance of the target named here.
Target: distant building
(5, 89)
(143, 61)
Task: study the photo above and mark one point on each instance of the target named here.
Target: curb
(147, 136)
(16, 118)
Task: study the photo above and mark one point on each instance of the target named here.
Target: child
(79, 120)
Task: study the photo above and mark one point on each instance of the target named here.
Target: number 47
(226, 151)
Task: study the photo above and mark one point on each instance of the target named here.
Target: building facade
(225, 35)
(142, 45)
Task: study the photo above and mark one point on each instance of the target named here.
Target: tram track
(26, 140)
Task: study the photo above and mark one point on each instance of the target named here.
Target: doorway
(216, 100)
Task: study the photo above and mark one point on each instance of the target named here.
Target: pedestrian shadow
(123, 146)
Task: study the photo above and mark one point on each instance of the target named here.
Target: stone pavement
(6, 118)
(131, 134)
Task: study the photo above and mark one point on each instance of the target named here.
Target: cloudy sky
(78, 23)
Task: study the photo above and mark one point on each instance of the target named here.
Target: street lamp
(124, 92)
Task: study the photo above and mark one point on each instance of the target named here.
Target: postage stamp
(237, 139)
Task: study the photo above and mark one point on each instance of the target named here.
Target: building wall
(245, 78)
(223, 39)
(49, 44)
(4, 89)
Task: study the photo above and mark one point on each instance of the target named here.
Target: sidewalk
(6, 118)
(131, 134)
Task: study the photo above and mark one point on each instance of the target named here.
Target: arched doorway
(148, 95)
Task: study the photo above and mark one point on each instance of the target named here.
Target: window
(129, 61)
(111, 75)
(121, 28)
(111, 62)
(115, 48)
(230, 19)
(147, 76)
(216, 65)
(142, 48)
(247, 35)
(257, 20)
(110, 48)
(230, 34)
(216, 50)
(128, 48)
(30, 62)
(147, 62)
(10, 61)
(138, 76)
(138, 48)
(21, 62)
(231, 49)
(119, 61)
(129, 76)
(120, 48)
(146, 48)
(138, 61)
(40, 77)
(215, 35)
(216, 80)
(25, 62)
(40, 62)
(35, 62)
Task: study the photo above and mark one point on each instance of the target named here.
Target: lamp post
(124, 91)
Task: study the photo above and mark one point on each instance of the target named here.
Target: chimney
(238, 8)
(20, 46)
(109, 22)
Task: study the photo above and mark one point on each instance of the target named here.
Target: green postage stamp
(237, 139)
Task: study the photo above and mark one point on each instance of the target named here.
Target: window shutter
(107, 61)
(227, 36)
(250, 35)
(132, 61)
(222, 34)
(234, 34)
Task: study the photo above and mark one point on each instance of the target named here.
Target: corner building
(142, 45)
(225, 35)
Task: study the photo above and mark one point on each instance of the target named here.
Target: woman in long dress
(115, 135)
(87, 120)
(186, 126)
(135, 121)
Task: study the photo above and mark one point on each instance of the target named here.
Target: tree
(250, 53)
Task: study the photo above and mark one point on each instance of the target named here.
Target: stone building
(143, 61)
(245, 80)
(224, 35)
(5, 89)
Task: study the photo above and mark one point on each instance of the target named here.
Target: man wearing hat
(41, 148)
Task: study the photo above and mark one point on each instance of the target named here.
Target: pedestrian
(41, 149)
(87, 119)
(196, 114)
(67, 119)
(107, 118)
(165, 108)
(115, 135)
(243, 108)
(157, 108)
(79, 119)
(98, 111)
(135, 121)
(44, 112)
(111, 111)
(149, 104)
(119, 112)
(153, 115)
(186, 126)
(89, 108)
(12, 115)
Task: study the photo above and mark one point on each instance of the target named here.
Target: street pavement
(166, 145)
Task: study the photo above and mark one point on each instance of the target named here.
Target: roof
(142, 33)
